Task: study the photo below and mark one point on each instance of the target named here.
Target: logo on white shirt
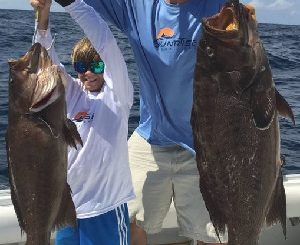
(83, 116)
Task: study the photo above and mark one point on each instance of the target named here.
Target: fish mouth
(226, 21)
(34, 57)
(231, 20)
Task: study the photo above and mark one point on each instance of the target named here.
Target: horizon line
(63, 11)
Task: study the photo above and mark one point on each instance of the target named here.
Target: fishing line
(36, 20)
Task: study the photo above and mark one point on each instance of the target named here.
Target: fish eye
(209, 52)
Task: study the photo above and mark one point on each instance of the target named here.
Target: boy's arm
(42, 32)
(43, 35)
(105, 44)
(42, 16)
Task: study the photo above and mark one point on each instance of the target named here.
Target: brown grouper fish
(235, 127)
(37, 137)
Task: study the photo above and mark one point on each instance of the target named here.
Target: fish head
(34, 81)
(229, 39)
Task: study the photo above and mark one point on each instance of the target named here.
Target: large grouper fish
(235, 127)
(37, 137)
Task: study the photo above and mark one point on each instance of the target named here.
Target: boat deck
(10, 233)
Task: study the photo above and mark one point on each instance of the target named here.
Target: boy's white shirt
(98, 172)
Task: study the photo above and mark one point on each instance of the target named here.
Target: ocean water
(281, 43)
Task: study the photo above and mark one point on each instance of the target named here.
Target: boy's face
(91, 81)
(90, 74)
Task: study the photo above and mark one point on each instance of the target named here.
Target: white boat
(10, 232)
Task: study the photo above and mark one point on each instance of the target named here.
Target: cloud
(293, 12)
(281, 5)
(258, 4)
(277, 11)
(271, 5)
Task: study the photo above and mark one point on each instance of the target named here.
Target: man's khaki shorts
(159, 175)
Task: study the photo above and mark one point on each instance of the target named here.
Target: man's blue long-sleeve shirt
(164, 40)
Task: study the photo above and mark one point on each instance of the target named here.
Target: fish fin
(72, 137)
(263, 103)
(66, 214)
(283, 107)
(216, 216)
(277, 208)
(12, 190)
(16, 207)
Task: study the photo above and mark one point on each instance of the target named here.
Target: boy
(98, 102)
(163, 35)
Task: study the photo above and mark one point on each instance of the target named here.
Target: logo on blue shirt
(165, 39)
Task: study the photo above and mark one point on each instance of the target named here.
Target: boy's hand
(43, 7)
(41, 4)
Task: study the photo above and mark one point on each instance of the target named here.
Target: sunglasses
(96, 67)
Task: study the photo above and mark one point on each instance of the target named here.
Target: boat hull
(10, 232)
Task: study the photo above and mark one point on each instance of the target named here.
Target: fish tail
(277, 208)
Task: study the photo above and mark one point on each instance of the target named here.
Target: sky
(267, 11)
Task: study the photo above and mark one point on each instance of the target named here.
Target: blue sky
(268, 11)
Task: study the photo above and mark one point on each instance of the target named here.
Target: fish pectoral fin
(283, 107)
(66, 214)
(277, 206)
(71, 135)
(263, 102)
(263, 108)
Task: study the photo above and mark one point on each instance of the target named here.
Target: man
(164, 35)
